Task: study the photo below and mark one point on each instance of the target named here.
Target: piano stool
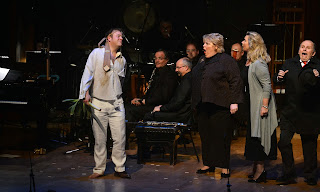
(161, 133)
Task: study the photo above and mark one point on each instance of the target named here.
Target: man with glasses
(179, 107)
(159, 90)
(192, 52)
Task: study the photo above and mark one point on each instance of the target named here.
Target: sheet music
(3, 73)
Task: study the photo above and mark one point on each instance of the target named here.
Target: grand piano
(25, 102)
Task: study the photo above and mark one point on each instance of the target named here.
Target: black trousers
(215, 129)
(136, 113)
(254, 151)
(309, 146)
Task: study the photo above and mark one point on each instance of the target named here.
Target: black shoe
(200, 171)
(225, 175)
(250, 176)
(311, 181)
(261, 178)
(284, 180)
(123, 174)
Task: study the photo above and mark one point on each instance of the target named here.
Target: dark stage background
(72, 23)
(75, 27)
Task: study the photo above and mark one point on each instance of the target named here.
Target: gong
(136, 13)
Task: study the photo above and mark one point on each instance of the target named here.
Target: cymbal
(135, 15)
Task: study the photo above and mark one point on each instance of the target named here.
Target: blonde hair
(216, 39)
(257, 48)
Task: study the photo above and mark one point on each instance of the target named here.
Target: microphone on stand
(126, 39)
(188, 31)
(168, 34)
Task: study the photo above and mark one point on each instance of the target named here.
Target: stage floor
(60, 172)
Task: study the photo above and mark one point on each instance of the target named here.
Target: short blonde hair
(216, 39)
(257, 48)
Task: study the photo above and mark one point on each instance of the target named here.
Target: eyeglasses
(160, 58)
(190, 50)
(180, 67)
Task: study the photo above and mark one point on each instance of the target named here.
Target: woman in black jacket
(216, 92)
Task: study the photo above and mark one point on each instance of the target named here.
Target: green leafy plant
(79, 108)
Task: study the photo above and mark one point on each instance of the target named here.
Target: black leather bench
(161, 133)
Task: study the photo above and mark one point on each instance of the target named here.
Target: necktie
(304, 63)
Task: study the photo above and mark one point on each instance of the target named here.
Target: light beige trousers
(112, 114)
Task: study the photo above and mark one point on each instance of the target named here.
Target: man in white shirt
(101, 85)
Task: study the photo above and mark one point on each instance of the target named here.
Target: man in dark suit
(300, 75)
(159, 91)
(192, 51)
(179, 107)
(242, 116)
(239, 55)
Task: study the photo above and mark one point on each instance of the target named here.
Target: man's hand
(87, 98)
(156, 108)
(136, 101)
(315, 72)
(233, 108)
(282, 73)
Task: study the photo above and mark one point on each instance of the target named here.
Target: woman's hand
(233, 108)
(264, 111)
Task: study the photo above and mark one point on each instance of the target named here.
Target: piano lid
(9, 75)
(3, 73)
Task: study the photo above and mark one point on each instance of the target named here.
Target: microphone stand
(32, 183)
(189, 32)
(47, 54)
(228, 184)
(225, 146)
(142, 28)
(90, 28)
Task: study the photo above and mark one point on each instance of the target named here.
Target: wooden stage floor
(60, 172)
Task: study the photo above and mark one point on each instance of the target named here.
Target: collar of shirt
(304, 63)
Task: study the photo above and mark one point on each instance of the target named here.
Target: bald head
(237, 51)
(306, 50)
(183, 66)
